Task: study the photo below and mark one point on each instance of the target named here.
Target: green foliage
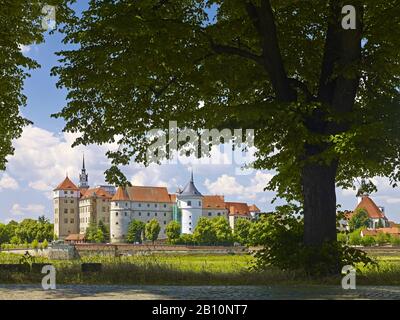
(223, 231)
(242, 231)
(105, 230)
(20, 25)
(135, 231)
(342, 237)
(368, 241)
(281, 236)
(205, 232)
(382, 238)
(35, 244)
(173, 231)
(355, 237)
(359, 220)
(186, 239)
(98, 233)
(45, 244)
(395, 240)
(152, 229)
(91, 231)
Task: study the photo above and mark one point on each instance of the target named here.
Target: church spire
(83, 177)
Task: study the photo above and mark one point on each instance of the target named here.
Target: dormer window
(189, 203)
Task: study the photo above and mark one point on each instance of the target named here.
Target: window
(148, 214)
(66, 220)
(65, 210)
(155, 214)
(140, 214)
(72, 201)
(155, 205)
(199, 203)
(126, 214)
(165, 214)
(116, 214)
(116, 222)
(190, 229)
(72, 210)
(126, 204)
(165, 205)
(189, 203)
(104, 209)
(165, 222)
(139, 205)
(72, 220)
(219, 213)
(65, 201)
(65, 192)
(209, 214)
(190, 223)
(71, 192)
(148, 205)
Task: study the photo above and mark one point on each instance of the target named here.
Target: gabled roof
(254, 208)
(148, 194)
(96, 192)
(120, 195)
(237, 208)
(67, 184)
(372, 209)
(213, 202)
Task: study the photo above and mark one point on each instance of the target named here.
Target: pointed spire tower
(83, 176)
(190, 202)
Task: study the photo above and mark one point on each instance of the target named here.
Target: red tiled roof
(67, 184)
(148, 194)
(75, 237)
(367, 204)
(98, 192)
(120, 195)
(172, 197)
(237, 208)
(213, 202)
(254, 208)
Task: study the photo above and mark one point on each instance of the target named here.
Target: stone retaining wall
(132, 249)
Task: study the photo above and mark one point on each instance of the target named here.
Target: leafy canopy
(20, 25)
(257, 64)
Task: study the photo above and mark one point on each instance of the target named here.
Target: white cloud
(24, 48)
(226, 185)
(19, 210)
(7, 182)
(40, 185)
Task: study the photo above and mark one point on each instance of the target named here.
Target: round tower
(119, 216)
(190, 201)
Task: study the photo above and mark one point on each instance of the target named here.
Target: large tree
(21, 24)
(323, 99)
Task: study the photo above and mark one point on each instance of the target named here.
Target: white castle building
(75, 207)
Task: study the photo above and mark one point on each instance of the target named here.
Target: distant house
(376, 214)
(75, 238)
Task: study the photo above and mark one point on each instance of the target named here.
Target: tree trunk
(318, 183)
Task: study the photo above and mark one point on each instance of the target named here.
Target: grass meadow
(191, 269)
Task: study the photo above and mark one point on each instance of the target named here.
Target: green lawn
(195, 269)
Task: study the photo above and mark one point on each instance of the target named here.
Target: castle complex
(75, 207)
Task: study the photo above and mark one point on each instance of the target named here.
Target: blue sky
(44, 156)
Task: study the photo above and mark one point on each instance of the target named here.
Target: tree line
(27, 231)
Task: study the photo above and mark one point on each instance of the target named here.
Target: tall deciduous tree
(323, 99)
(20, 26)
